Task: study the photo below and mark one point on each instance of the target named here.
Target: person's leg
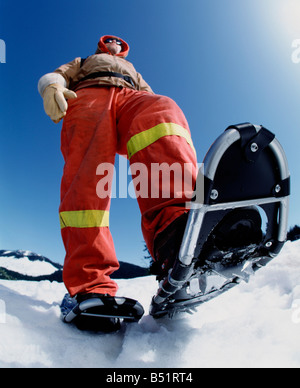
(88, 139)
(156, 137)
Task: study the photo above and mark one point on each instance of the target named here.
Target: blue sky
(223, 62)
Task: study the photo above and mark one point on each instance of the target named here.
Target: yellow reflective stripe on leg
(144, 139)
(84, 218)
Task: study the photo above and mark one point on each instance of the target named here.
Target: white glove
(55, 104)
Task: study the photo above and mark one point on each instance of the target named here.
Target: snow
(255, 324)
(27, 267)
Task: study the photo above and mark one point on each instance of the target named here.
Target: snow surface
(27, 267)
(253, 325)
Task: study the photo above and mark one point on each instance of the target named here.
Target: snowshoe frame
(245, 167)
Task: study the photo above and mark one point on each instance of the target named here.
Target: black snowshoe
(100, 313)
(237, 222)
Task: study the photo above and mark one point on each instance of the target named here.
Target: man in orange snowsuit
(114, 111)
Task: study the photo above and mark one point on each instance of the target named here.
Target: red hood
(103, 49)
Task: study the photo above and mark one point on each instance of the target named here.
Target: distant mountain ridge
(27, 265)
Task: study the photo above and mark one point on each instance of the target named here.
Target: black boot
(166, 247)
(240, 228)
(98, 312)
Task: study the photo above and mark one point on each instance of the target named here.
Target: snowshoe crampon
(100, 313)
(237, 222)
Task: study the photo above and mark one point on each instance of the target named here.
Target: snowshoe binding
(100, 313)
(237, 221)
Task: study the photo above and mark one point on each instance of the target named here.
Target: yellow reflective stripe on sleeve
(149, 136)
(84, 218)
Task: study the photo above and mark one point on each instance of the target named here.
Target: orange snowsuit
(129, 119)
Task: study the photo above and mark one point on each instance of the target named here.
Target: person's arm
(53, 87)
(143, 84)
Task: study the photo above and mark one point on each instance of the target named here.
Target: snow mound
(26, 265)
(255, 324)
